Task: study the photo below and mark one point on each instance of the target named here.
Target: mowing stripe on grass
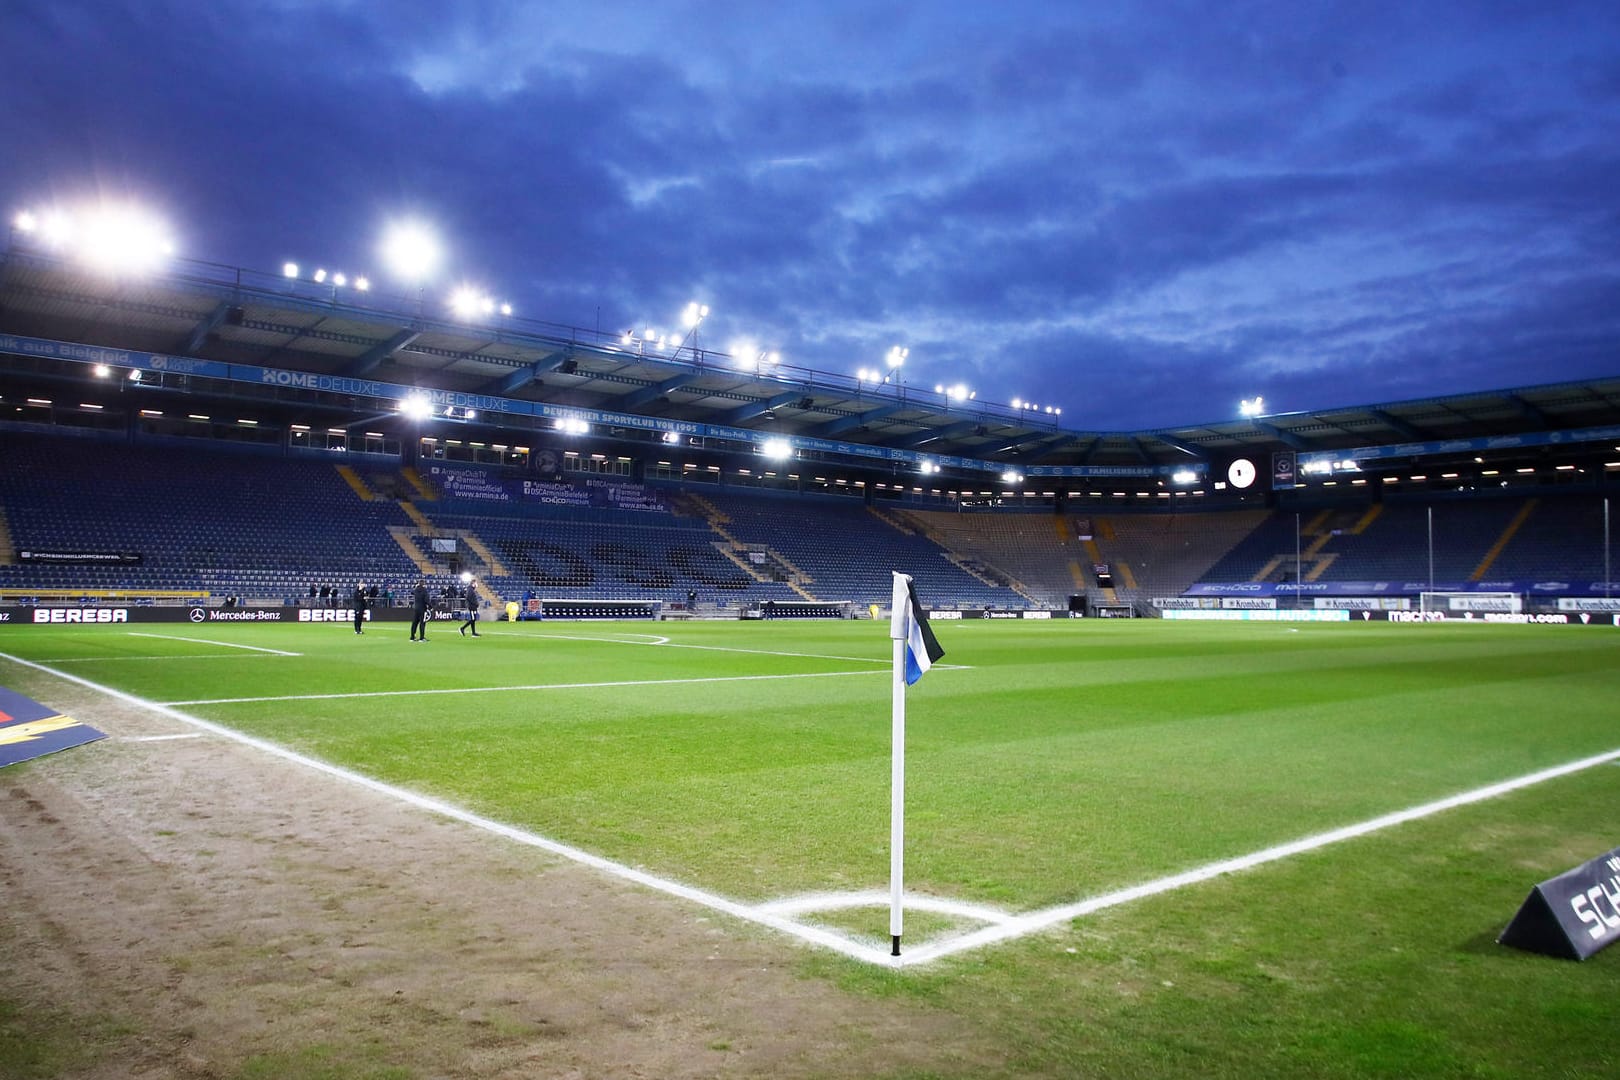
(209, 641)
(536, 686)
(777, 914)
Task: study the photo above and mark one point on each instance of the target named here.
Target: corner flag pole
(897, 799)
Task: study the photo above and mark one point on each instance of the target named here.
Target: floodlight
(362, 283)
(289, 269)
(694, 314)
(134, 374)
(102, 371)
(506, 309)
(672, 437)
(465, 302)
(1017, 404)
(777, 449)
(320, 276)
(26, 222)
(466, 577)
(1011, 477)
(340, 280)
(416, 406)
(411, 250)
(1184, 476)
(486, 305)
(896, 356)
(1252, 407)
(123, 239)
(471, 415)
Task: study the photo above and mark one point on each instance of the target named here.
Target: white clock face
(1240, 474)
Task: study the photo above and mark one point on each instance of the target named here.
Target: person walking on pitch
(419, 610)
(472, 611)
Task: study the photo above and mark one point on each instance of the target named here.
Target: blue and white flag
(908, 622)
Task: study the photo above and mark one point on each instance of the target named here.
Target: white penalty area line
(780, 915)
(210, 641)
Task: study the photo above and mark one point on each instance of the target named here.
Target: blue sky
(1139, 213)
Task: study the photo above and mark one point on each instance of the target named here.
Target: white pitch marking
(163, 738)
(169, 656)
(1014, 927)
(813, 902)
(221, 644)
(1040, 920)
(813, 934)
(536, 686)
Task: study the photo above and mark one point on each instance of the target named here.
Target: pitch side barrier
(1502, 618)
(108, 615)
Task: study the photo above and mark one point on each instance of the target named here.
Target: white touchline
(166, 656)
(163, 738)
(536, 686)
(208, 641)
(776, 914)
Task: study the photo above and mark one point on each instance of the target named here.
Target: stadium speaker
(568, 367)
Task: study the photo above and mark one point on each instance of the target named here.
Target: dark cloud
(1141, 215)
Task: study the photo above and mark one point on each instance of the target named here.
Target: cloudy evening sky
(1138, 212)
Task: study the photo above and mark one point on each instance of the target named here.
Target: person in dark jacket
(419, 610)
(472, 611)
(359, 607)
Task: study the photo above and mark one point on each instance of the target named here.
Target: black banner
(1572, 915)
(81, 558)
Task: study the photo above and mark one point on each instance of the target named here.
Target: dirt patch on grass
(192, 907)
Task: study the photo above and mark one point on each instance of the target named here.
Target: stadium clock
(1241, 473)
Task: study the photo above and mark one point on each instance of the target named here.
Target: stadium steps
(902, 522)
(1062, 525)
(1502, 541)
(423, 488)
(1367, 519)
(422, 521)
(1321, 567)
(407, 542)
(8, 552)
(1096, 554)
(734, 551)
(706, 509)
(482, 551)
(352, 478)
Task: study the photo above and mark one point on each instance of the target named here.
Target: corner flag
(908, 622)
(915, 651)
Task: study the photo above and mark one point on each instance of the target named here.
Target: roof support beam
(760, 408)
(1176, 444)
(372, 358)
(653, 391)
(855, 420)
(208, 325)
(923, 438)
(1407, 430)
(1528, 411)
(528, 373)
(1287, 438)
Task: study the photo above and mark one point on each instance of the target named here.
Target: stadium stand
(844, 551)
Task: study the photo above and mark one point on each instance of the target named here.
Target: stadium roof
(354, 339)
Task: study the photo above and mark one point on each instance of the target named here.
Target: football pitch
(1076, 791)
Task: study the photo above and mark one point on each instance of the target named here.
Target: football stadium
(398, 661)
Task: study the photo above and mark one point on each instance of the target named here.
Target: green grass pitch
(1047, 762)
